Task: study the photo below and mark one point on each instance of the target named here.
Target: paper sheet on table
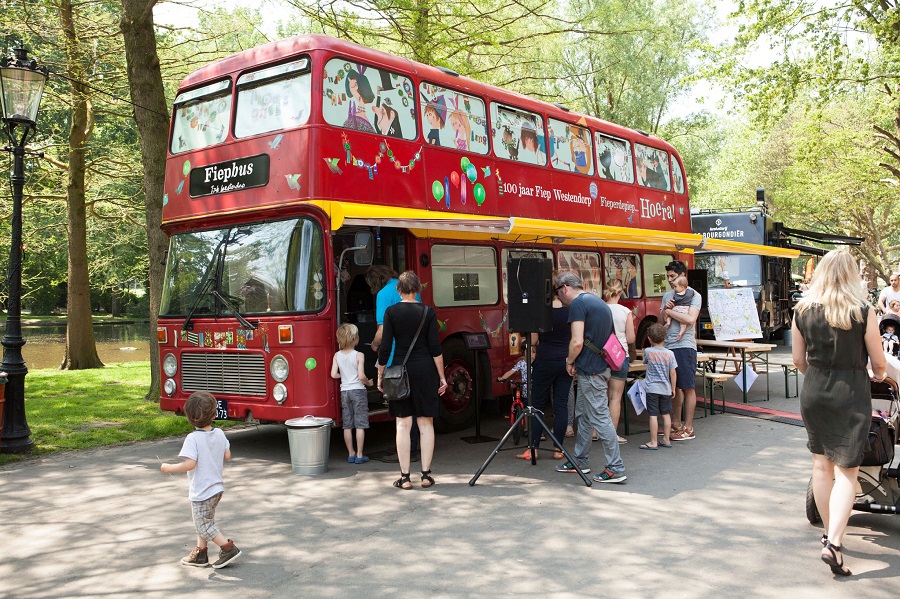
(751, 376)
(638, 396)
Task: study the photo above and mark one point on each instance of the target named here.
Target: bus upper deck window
(273, 98)
(453, 120)
(200, 117)
(570, 147)
(652, 167)
(614, 160)
(518, 135)
(368, 99)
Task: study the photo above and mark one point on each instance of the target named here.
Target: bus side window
(679, 176)
(518, 135)
(570, 147)
(627, 269)
(367, 99)
(453, 120)
(655, 274)
(614, 159)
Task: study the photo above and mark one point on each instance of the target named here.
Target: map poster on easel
(733, 314)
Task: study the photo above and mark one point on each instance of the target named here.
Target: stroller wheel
(812, 512)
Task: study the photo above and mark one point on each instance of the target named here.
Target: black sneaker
(226, 556)
(197, 557)
(570, 467)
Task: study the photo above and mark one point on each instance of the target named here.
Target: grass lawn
(79, 409)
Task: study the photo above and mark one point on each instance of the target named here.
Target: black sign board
(232, 175)
(476, 341)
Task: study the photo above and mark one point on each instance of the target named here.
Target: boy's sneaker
(570, 467)
(226, 556)
(197, 557)
(608, 476)
(684, 435)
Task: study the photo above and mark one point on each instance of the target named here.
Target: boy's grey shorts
(355, 408)
(204, 513)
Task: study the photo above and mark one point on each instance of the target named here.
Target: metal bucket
(309, 438)
(788, 339)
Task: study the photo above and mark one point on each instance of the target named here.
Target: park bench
(790, 370)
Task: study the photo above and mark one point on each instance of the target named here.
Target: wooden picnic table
(749, 351)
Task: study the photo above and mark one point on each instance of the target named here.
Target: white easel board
(733, 314)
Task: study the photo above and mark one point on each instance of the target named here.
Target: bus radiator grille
(219, 372)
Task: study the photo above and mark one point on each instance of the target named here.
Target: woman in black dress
(425, 368)
(835, 334)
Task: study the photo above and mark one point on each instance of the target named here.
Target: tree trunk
(81, 349)
(152, 117)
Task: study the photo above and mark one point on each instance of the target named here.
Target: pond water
(45, 345)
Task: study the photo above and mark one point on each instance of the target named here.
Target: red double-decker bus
(294, 166)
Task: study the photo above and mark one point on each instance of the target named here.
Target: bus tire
(641, 337)
(457, 408)
(812, 512)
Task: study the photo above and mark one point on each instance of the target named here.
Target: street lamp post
(21, 87)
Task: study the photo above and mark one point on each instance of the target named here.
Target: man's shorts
(686, 358)
(658, 405)
(355, 408)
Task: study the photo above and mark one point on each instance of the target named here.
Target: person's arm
(575, 345)
(798, 349)
(873, 347)
(384, 352)
(506, 375)
(186, 465)
(227, 454)
(673, 378)
(439, 364)
(882, 300)
(335, 369)
(630, 335)
(376, 340)
(360, 369)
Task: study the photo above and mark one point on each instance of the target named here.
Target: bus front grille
(220, 372)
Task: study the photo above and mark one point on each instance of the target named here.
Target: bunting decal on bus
(372, 167)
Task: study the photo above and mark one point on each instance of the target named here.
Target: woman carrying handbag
(425, 369)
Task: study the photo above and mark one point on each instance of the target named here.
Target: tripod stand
(534, 416)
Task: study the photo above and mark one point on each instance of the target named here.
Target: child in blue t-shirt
(659, 383)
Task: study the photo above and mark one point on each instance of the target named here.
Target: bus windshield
(260, 268)
(738, 270)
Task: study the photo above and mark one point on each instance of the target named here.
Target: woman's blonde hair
(835, 285)
(613, 289)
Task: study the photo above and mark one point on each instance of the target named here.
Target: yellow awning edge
(737, 247)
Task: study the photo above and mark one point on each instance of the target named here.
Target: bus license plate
(221, 409)
(707, 325)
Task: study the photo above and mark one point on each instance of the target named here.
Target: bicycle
(516, 409)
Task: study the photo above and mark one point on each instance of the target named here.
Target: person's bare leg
(654, 429)
(667, 429)
(616, 387)
(677, 401)
(360, 441)
(404, 425)
(690, 404)
(426, 440)
(822, 484)
(348, 441)
(843, 495)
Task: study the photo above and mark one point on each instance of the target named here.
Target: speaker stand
(533, 415)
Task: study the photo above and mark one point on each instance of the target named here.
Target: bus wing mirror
(365, 248)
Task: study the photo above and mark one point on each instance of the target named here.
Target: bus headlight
(169, 387)
(279, 368)
(170, 365)
(279, 392)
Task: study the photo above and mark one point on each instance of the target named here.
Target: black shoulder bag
(395, 380)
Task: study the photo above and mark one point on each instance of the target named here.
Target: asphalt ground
(720, 516)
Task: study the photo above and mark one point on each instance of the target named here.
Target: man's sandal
(403, 481)
(831, 558)
(427, 480)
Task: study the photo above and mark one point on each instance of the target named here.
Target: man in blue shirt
(591, 322)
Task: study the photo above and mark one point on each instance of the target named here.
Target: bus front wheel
(457, 410)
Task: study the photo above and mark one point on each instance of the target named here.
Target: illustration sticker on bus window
(652, 167)
(679, 177)
(614, 159)
(367, 99)
(570, 147)
(453, 120)
(201, 117)
(586, 264)
(518, 135)
(625, 268)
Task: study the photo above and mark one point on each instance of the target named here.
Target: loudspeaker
(530, 292)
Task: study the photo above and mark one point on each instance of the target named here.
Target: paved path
(720, 516)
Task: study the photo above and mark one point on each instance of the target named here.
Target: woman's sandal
(824, 540)
(831, 558)
(427, 480)
(403, 482)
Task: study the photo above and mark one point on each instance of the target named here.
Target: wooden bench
(713, 381)
(790, 370)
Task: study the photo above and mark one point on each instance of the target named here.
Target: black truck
(768, 276)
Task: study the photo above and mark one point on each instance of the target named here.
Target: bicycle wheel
(517, 430)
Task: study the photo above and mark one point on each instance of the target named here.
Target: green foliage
(80, 409)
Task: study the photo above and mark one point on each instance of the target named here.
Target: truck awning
(822, 237)
(514, 229)
(736, 247)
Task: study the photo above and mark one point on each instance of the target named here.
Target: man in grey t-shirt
(685, 350)
(889, 293)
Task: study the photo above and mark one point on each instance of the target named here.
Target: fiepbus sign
(232, 175)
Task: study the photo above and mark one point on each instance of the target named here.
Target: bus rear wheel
(457, 410)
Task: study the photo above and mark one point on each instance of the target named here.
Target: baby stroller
(890, 343)
(878, 483)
